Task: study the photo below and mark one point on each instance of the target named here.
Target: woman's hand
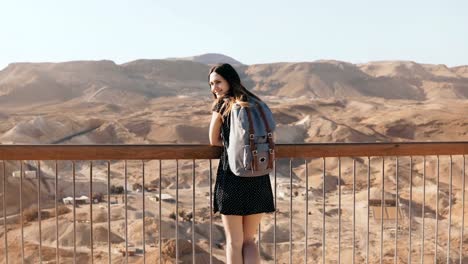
(215, 130)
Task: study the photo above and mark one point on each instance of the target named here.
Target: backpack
(251, 150)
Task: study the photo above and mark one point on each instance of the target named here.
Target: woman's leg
(234, 238)
(249, 248)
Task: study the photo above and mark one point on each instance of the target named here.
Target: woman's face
(219, 86)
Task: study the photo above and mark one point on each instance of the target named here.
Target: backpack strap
(271, 144)
(253, 147)
(224, 155)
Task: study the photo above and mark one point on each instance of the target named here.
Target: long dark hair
(237, 92)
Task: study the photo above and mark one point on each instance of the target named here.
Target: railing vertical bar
(91, 199)
(323, 212)
(160, 215)
(193, 212)
(410, 209)
(354, 210)
(4, 213)
(126, 212)
(463, 210)
(144, 209)
(437, 211)
(109, 259)
(39, 208)
(276, 209)
(339, 210)
(306, 229)
(368, 208)
(450, 211)
(423, 210)
(211, 211)
(382, 209)
(290, 210)
(397, 204)
(177, 214)
(57, 255)
(74, 212)
(21, 210)
(259, 235)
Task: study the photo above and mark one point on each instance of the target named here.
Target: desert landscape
(167, 101)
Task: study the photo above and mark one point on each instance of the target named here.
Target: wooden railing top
(178, 151)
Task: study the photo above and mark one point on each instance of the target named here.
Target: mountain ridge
(25, 83)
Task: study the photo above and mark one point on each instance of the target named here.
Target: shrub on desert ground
(117, 189)
(61, 210)
(31, 214)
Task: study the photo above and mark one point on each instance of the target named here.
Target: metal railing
(394, 208)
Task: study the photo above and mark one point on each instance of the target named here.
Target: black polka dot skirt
(234, 195)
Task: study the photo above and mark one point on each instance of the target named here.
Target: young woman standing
(241, 201)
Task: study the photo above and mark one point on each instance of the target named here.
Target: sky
(253, 31)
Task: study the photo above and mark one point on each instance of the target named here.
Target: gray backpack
(251, 150)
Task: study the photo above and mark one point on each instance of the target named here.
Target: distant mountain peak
(210, 59)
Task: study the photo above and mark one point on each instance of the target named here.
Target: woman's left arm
(215, 130)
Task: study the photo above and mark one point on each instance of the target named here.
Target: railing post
(57, 252)
(397, 204)
(21, 211)
(276, 209)
(144, 209)
(437, 211)
(339, 210)
(160, 213)
(91, 200)
(74, 213)
(382, 209)
(193, 211)
(423, 213)
(450, 210)
(354, 210)
(290, 210)
(109, 259)
(306, 228)
(463, 210)
(5, 231)
(323, 212)
(126, 209)
(38, 175)
(368, 208)
(211, 211)
(410, 209)
(177, 214)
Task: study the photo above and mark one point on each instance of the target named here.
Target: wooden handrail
(176, 151)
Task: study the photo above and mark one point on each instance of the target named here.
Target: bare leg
(249, 248)
(234, 238)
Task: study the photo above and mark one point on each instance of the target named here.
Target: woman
(241, 201)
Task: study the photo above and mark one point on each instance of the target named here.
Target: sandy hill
(210, 59)
(326, 79)
(164, 70)
(411, 70)
(434, 81)
(97, 81)
(462, 71)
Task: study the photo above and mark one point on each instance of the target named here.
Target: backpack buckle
(272, 151)
(270, 135)
(251, 136)
(254, 152)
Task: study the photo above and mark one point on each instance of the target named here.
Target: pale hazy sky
(251, 31)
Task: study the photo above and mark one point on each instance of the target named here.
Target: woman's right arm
(215, 130)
